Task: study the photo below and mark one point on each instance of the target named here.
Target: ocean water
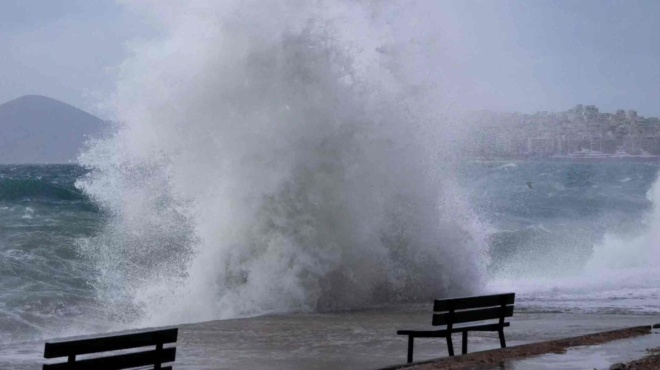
(580, 237)
(579, 240)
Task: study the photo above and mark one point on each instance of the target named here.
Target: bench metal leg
(450, 345)
(411, 345)
(465, 337)
(159, 353)
(502, 341)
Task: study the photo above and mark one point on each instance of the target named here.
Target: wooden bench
(465, 310)
(155, 357)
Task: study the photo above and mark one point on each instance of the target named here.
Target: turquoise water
(44, 279)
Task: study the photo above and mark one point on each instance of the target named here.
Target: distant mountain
(37, 129)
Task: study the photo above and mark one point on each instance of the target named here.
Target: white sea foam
(276, 156)
(622, 274)
(507, 166)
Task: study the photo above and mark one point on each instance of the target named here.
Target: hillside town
(581, 132)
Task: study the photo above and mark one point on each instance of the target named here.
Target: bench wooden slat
(443, 333)
(111, 343)
(471, 315)
(473, 302)
(123, 361)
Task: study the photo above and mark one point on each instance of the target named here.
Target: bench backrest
(469, 309)
(73, 348)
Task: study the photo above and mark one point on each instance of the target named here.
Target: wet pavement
(347, 340)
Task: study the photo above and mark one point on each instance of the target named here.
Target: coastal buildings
(582, 129)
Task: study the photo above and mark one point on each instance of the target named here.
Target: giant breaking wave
(276, 156)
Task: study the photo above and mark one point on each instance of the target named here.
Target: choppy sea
(567, 237)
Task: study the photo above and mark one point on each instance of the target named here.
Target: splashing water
(599, 250)
(274, 157)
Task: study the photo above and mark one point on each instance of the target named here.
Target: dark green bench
(454, 311)
(146, 357)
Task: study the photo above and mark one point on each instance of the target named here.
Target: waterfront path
(348, 340)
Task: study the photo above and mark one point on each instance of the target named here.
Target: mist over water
(276, 157)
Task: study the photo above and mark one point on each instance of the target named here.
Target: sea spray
(275, 157)
(625, 252)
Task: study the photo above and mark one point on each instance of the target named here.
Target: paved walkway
(595, 351)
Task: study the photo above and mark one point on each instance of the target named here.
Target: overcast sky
(505, 55)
